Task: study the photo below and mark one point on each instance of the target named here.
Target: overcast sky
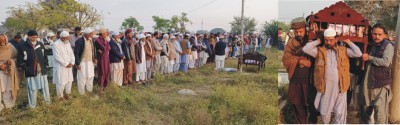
(214, 13)
(289, 9)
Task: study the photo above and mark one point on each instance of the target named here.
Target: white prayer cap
(180, 34)
(50, 34)
(148, 35)
(221, 37)
(114, 33)
(330, 32)
(290, 30)
(64, 34)
(165, 35)
(140, 36)
(225, 34)
(102, 30)
(172, 37)
(87, 31)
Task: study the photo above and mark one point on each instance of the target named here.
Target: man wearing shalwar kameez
(84, 52)
(178, 54)
(116, 59)
(164, 54)
(9, 76)
(140, 59)
(128, 47)
(64, 60)
(148, 48)
(157, 58)
(375, 92)
(172, 54)
(331, 75)
(185, 53)
(103, 66)
(32, 59)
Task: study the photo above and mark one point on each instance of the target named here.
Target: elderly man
(64, 60)
(172, 54)
(178, 52)
(331, 75)
(148, 47)
(116, 59)
(140, 59)
(84, 61)
(128, 48)
(9, 78)
(375, 91)
(102, 50)
(31, 57)
(164, 54)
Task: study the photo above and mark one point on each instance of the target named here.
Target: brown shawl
(292, 55)
(8, 52)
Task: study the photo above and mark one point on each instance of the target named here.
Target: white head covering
(64, 34)
(114, 33)
(50, 34)
(165, 36)
(140, 36)
(87, 31)
(290, 30)
(330, 32)
(172, 37)
(148, 35)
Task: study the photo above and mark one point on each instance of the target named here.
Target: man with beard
(298, 65)
(31, 57)
(85, 60)
(103, 48)
(332, 75)
(128, 48)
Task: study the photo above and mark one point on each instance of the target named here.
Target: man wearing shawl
(148, 48)
(103, 48)
(297, 65)
(9, 77)
(32, 59)
(128, 48)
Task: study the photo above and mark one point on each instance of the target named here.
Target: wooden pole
(242, 39)
(394, 108)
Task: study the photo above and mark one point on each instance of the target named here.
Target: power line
(202, 6)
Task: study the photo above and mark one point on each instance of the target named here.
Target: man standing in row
(116, 59)
(84, 52)
(128, 48)
(32, 59)
(9, 76)
(103, 48)
(64, 60)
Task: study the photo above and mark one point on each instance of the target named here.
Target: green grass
(222, 98)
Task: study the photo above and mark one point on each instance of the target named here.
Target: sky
(290, 9)
(213, 13)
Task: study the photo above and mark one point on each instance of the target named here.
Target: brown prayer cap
(297, 25)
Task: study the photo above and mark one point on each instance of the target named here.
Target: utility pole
(394, 109)
(242, 39)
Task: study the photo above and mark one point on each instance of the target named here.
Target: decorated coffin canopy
(348, 23)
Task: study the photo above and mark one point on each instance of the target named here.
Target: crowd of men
(323, 77)
(122, 58)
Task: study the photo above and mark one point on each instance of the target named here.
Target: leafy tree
(183, 19)
(384, 12)
(216, 30)
(131, 22)
(271, 28)
(249, 25)
(161, 24)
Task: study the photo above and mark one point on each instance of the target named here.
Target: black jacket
(220, 48)
(28, 63)
(79, 48)
(115, 53)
